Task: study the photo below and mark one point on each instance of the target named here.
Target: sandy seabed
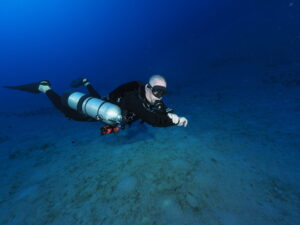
(237, 163)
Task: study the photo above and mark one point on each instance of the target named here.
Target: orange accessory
(109, 129)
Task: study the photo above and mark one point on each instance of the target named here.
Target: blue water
(232, 69)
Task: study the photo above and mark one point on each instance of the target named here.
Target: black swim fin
(32, 88)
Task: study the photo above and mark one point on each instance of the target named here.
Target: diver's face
(155, 92)
(154, 98)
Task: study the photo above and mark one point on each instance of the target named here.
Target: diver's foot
(44, 86)
(79, 82)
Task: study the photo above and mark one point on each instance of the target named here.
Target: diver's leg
(45, 88)
(92, 91)
(56, 100)
(84, 81)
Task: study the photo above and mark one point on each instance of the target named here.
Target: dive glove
(179, 121)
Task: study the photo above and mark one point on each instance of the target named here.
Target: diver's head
(156, 88)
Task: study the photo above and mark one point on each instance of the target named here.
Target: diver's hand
(179, 121)
(174, 118)
(183, 121)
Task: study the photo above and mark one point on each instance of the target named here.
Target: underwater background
(233, 70)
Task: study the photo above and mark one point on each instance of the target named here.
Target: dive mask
(158, 91)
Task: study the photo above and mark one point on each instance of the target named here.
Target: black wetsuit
(130, 97)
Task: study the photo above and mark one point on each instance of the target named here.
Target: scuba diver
(123, 106)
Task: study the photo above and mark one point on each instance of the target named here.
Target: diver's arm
(156, 119)
(178, 121)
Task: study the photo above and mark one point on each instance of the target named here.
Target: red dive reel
(108, 129)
